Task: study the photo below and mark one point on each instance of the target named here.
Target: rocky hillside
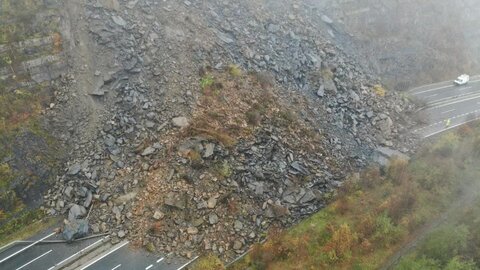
(197, 125)
(408, 43)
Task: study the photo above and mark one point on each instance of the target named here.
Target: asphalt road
(446, 102)
(50, 256)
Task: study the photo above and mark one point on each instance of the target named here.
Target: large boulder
(75, 229)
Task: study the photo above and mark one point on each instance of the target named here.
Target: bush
(445, 243)
(457, 264)
(397, 171)
(234, 71)
(411, 263)
(379, 90)
(385, 231)
(339, 247)
(209, 262)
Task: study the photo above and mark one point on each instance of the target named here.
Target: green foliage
(385, 231)
(379, 90)
(457, 264)
(207, 81)
(208, 262)
(234, 70)
(411, 263)
(224, 169)
(445, 243)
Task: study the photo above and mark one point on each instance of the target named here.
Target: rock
(209, 148)
(308, 197)
(330, 86)
(88, 199)
(121, 234)
(74, 169)
(326, 19)
(321, 91)
(148, 151)
(175, 200)
(237, 225)
(119, 20)
(237, 245)
(213, 218)
(68, 191)
(300, 168)
(212, 202)
(158, 215)
(74, 229)
(76, 212)
(180, 122)
(192, 230)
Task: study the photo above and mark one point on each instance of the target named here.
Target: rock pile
(166, 165)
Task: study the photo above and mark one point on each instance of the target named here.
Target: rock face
(145, 171)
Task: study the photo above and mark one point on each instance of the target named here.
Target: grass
(29, 224)
(208, 262)
(379, 90)
(372, 217)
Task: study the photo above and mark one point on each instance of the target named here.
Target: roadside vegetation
(376, 213)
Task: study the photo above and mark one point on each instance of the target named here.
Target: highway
(447, 106)
(91, 254)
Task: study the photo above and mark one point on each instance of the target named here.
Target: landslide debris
(180, 151)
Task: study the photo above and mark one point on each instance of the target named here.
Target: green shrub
(412, 263)
(457, 264)
(209, 262)
(445, 243)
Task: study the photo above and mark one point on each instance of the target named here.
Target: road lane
(446, 92)
(60, 251)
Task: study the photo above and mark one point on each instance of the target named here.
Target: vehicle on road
(462, 79)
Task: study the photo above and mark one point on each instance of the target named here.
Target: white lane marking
(148, 267)
(454, 102)
(34, 260)
(186, 264)
(454, 126)
(439, 83)
(430, 90)
(73, 255)
(159, 260)
(116, 267)
(451, 118)
(449, 111)
(105, 255)
(431, 96)
(27, 247)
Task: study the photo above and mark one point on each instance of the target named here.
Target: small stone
(180, 122)
(148, 151)
(213, 218)
(212, 202)
(209, 148)
(238, 225)
(74, 169)
(237, 245)
(121, 234)
(158, 215)
(192, 230)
